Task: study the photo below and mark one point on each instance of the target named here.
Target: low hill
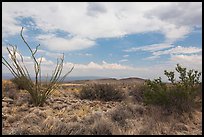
(110, 81)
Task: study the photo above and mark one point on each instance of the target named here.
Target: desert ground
(64, 113)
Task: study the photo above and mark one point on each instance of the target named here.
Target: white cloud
(45, 61)
(151, 58)
(105, 69)
(60, 44)
(86, 22)
(188, 13)
(150, 48)
(107, 19)
(103, 65)
(163, 49)
(95, 8)
(4, 50)
(178, 50)
(174, 33)
(192, 61)
(10, 26)
(147, 72)
(125, 56)
(84, 54)
(48, 53)
(123, 60)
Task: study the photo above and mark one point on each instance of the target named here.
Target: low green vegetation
(180, 94)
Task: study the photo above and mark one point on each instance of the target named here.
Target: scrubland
(70, 110)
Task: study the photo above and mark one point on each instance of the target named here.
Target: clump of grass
(126, 111)
(26, 129)
(54, 126)
(32, 119)
(104, 92)
(39, 92)
(102, 127)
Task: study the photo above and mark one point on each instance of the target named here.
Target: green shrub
(155, 92)
(103, 92)
(179, 94)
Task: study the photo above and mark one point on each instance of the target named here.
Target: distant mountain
(8, 76)
(75, 78)
(132, 79)
(111, 81)
(89, 79)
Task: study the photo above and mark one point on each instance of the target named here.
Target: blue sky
(107, 39)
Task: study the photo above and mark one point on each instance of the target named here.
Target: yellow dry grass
(7, 83)
(82, 111)
(6, 86)
(56, 93)
(71, 84)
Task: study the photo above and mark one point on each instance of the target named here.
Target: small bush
(155, 92)
(137, 93)
(102, 92)
(179, 95)
(21, 82)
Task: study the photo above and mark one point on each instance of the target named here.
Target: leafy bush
(179, 94)
(155, 92)
(39, 92)
(103, 92)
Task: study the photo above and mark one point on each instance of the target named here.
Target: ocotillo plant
(39, 92)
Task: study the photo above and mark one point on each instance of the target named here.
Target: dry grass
(8, 89)
(26, 129)
(102, 126)
(82, 112)
(65, 114)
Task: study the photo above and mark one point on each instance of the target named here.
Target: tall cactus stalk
(39, 92)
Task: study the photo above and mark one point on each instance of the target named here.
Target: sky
(107, 39)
